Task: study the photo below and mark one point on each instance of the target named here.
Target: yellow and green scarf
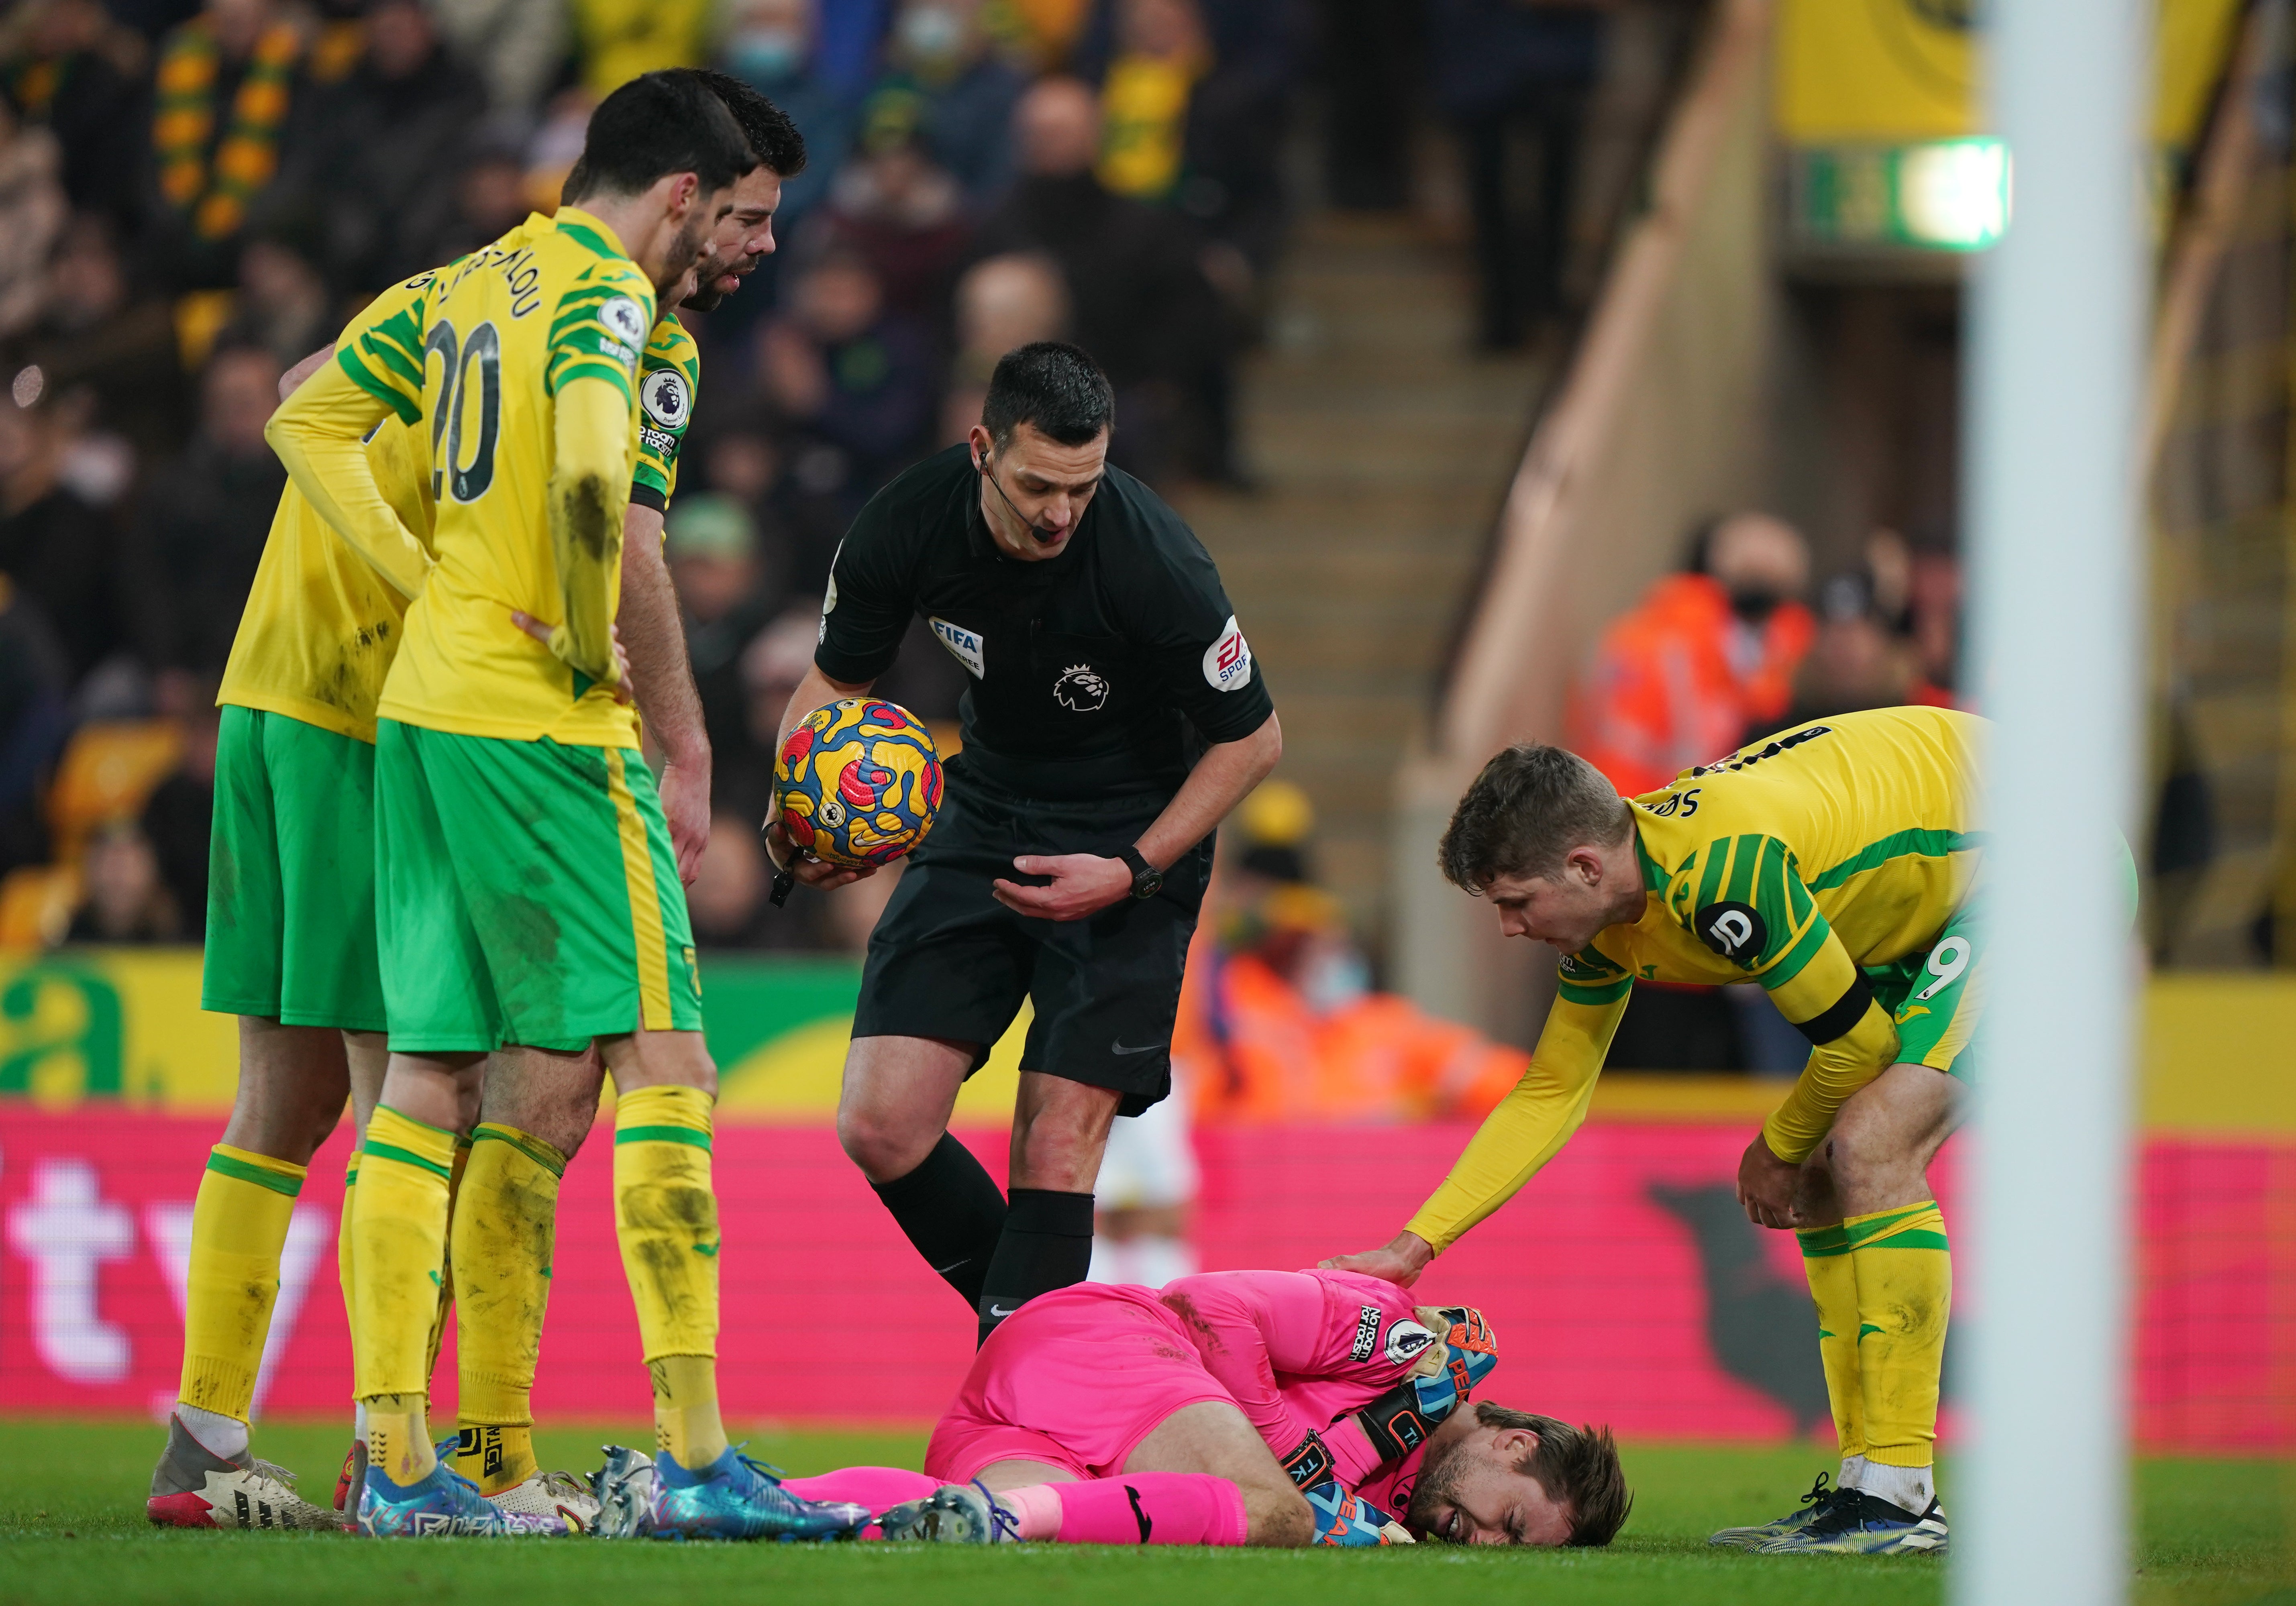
(249, 152)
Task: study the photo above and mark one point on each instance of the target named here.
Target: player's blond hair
(1524, 814)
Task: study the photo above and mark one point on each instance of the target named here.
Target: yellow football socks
(398, 1252)
(505, 1227)
(239, 1226)
(1905, 1294)
(343, 1239)
(445, 1303)
(1833, 1285)
(666, 1219)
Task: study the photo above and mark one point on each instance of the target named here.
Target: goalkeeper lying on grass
(1278, 1408)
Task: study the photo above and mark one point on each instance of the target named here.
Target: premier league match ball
(858, 783)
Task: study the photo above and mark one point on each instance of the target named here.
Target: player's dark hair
(654, 126)
(1577, 1467)
(1529, 809)
(1052, 385)
(766, 126)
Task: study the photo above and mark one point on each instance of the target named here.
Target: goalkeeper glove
(1399, 1421)
(1470, 1349)
(1343, 1517)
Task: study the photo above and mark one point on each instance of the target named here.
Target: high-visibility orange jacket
(1679, 679)
(1257, 1053)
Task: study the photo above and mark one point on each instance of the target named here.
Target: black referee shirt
(1087, 668)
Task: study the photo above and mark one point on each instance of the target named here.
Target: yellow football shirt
(519, 333)
(322, 623)
(1793, 863)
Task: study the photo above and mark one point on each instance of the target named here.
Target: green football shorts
(1936, 996)
(529, 895)
(291, 876)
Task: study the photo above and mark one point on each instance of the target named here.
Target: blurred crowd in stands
(193, 196)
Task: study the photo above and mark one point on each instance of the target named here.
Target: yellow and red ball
(858, 783)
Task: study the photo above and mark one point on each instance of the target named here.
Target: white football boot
(192, 1487)
(561, 1494)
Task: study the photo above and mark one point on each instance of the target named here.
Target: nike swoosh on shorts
(1115, 1047)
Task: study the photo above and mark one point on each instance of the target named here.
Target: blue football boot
(1859, 1524)
(1814, 1505)
(442, 1504)
(1343, 1517)
(734, 1497)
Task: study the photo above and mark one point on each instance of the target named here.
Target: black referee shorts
(947, 960)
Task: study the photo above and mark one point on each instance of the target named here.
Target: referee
(1115, 716)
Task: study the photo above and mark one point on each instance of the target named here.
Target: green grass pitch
(72, 1530)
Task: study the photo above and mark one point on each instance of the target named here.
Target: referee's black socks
(954, 1213)
(1048, 1244)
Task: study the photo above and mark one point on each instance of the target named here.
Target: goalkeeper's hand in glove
(1399, 1421)
(1343, 1517)
(1470, 1350)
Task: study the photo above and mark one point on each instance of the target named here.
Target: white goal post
(2041, 1511)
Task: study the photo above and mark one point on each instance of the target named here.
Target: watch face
(1148, 885)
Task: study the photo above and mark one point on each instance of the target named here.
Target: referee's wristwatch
(1147, 880)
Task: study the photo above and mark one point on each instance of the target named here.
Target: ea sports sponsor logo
(1405, 1339)
(1736, 931)
(664, 397)
(1227, 661)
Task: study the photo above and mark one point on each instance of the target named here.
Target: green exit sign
(1944, 195)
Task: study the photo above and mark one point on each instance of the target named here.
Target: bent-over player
(1073, 849)
(1832, 866)
(1274, 1408)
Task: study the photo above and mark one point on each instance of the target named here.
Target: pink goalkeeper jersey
(1299, 1349)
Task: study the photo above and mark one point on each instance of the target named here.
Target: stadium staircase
(1384, 447)
(1380, 445)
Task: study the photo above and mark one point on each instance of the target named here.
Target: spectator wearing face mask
(940, 58)
(1707, 657)
(769, 45)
